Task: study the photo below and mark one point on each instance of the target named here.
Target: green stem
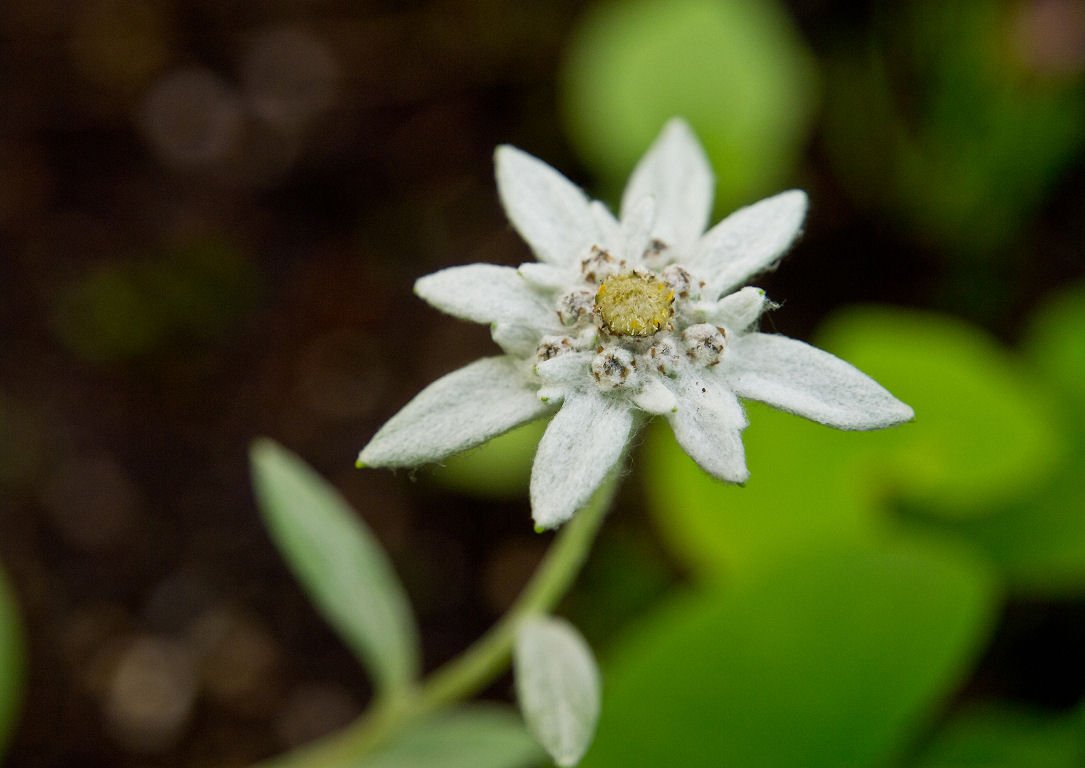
(475, 668)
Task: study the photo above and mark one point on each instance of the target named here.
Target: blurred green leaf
(997, 736)
(1054, 343)
(11, 662)
(106, 316)
(802, 494)
(340, 564)
(557, 686)
(985, 431)
(626, 575)
(987, 457)
(200, 287)
(735, 69)
(127, 309)
(954, 118)
(1038, 543)
(468, 737)
(1038, 540)
(497, 469)
(830, 658)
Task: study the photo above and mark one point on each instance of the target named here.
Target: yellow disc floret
(634, 304)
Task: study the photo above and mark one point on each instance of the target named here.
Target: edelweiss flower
(621, 320)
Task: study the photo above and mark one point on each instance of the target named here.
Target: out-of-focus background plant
(211, 215)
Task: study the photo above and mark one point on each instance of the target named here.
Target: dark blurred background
(211, 216)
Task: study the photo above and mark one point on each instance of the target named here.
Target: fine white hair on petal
(800, 379)
(637, 230)
(581, 444)
(748, 241)
(518, 340)
(546, 276)
(610, 231)
(654, 397)
(568, 369)
(676, 172)
(551, 213)
(486, 293)
(708, 424)
(458, 411)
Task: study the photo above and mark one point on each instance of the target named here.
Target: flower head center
(634, 304)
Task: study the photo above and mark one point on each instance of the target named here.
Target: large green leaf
(468, 737)
(498, 469)
(995, 455)
(1054, 343)
(340, 564)
(735, 69)
(11, 662)
(998, 736)
(985, 432)
(831, 658)
(985, 429)
(1038, 540)
(958, 137)
(802, 494)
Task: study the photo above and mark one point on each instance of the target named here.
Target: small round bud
(600, 265)
(575, 305)
(664, 357)
(613, 367)
(704, 343)
(552, 346)
(656, 253)
(684, 285)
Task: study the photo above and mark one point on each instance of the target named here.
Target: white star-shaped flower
(620, 320)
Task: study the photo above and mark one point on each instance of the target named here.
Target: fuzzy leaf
(557, 685)
(339, 562)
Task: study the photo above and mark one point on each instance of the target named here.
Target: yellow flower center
(634, 304)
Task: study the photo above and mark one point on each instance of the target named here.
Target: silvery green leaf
(339, 563)
(557, 685)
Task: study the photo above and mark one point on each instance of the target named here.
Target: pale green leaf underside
(341, 565)
(557, 686)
